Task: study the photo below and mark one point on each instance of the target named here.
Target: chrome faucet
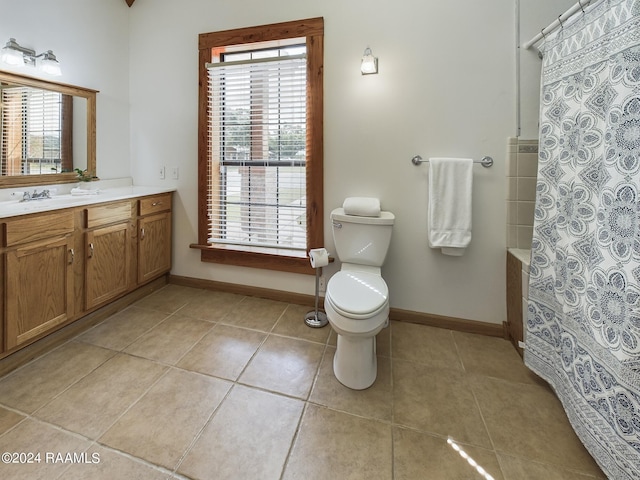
(26, 196)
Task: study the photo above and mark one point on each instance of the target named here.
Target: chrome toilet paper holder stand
(316, 318)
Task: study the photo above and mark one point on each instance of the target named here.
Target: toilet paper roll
(319, 257)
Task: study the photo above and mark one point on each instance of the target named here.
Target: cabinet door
(154, 246)
(107, 263)
(39, 288)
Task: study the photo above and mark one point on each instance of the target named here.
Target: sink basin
(18, 206)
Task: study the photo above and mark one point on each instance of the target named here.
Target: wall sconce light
(369, 63)
(17, 56)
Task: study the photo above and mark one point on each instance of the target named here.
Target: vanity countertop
(14, 208)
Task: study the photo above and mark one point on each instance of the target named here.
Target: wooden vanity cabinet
(38, 275)
(108, 252)
(58, 266)
(154, 237)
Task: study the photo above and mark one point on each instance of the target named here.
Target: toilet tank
(362, 240)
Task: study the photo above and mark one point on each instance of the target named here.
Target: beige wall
(446, 88)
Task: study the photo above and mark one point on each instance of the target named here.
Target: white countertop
(13, 208)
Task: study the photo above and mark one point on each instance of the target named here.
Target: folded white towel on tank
(362, 206)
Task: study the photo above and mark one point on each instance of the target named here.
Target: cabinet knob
(72, 255)
(155, 204)
(142, 233)
(91, 250)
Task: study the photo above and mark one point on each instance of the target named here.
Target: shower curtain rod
(580, 5)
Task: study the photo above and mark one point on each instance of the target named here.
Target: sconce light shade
(49, 64)
(15, 55)
(12, 54)
(369, 63)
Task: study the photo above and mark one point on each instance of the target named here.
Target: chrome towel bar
(486, 162)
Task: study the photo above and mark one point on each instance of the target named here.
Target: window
(260, 145)
(34, 141)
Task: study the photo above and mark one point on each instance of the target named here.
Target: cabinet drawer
(37, 227)
(155, 204)
(110, 213)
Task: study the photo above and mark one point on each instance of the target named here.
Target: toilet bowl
(357, 307)
(357, 297)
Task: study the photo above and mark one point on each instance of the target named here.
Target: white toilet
(357, 297)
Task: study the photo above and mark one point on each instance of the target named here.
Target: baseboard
(397, 314)
(270, 294)
(450, 323)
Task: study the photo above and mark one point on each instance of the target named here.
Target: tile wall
(522, 167)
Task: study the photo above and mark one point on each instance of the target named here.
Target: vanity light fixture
(49, 64)
(369, 63)
(15, 55)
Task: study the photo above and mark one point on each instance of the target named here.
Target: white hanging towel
(450, 187)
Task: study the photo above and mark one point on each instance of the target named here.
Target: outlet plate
(175, 173)
(161, 173)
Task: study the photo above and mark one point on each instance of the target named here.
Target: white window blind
(257, 149)
(31, 124)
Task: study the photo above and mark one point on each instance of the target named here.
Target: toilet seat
(357, 295)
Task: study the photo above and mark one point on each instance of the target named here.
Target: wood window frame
(283, 260)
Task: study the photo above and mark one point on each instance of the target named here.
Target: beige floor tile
(164, 422)
(336, 445)
(419, 455)
(519, 469)
(224, 352)
(284, 365)
(374, 402)
(256, 313)
(168, 341)
(528, 421)
(428, 345)
(248, 437)
(291, 324)
(9, 419)
(151, 416)
(38, 382)
(32, 437)
(123, 328)
(492, 357)
(211, 306)
(110, 465)
(170, 298)
(333, 338)
(437, 400)
(92, 405)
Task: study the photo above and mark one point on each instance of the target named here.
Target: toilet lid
(358, 293)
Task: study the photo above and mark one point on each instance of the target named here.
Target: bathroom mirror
(47, 130)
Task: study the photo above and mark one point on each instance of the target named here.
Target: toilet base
(355, 364)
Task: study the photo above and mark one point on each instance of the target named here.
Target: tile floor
(189, 383)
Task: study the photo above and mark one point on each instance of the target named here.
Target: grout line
(197, 436)
(293, 440)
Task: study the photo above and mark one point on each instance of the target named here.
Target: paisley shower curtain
(583, 326)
